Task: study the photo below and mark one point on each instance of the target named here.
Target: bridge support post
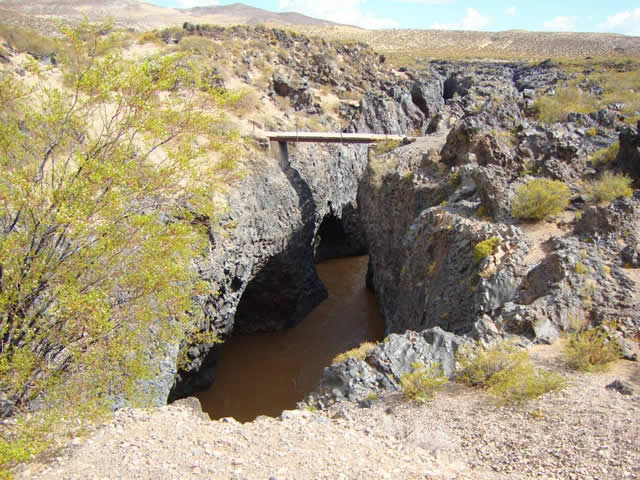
(280, 151)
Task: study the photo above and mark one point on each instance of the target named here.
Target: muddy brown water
(266, 374)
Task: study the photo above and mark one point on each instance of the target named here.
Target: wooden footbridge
(331, 137)
(281, 139)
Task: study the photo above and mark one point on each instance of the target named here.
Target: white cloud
(624, 22)
(195, 3)
(473, 20)
(511, 12)
(350, 12)
(561, 24)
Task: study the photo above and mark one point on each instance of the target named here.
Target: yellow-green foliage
(605, 155)
(381, 148)
(581, 268)
(27, 40)
(591, 350)
(539, 199)
(556, 108)
(422, 383)
(485, 248)
(196, 44)
(148, 37)
(96, 243)
(359, 353)
(241, 101)
(621, 85)
(505, 370)
(609, 187)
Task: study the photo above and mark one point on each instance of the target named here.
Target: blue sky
(619, 16)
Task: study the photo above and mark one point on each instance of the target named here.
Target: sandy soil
(583, 432)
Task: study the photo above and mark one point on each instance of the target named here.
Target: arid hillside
(401, 46)
(143, 16)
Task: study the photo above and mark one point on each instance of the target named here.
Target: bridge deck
(331, 137)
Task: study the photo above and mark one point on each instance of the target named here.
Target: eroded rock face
(384, 366)
(628, 158)
(261, 272)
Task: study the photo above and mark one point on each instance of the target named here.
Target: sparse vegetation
(359, 353)
(504, 370)
(420, 385)
(29, 41)
(591, 350)
(581, 268)
(609, 187)
(605, 155)
(485, 248)
(540, 198)
(556, 108)
(381, 148)
(97, 274)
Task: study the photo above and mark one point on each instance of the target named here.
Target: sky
(619, 16)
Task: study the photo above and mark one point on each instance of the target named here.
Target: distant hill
(142, 15)
(512, 44)
(403, 46)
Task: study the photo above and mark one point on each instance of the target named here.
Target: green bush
(539, 199)
(609, 187)
(359, 353)
(100, 268)
(591, 350)
(421, 384)
(485, 248)
(605, 155)
(505, 371)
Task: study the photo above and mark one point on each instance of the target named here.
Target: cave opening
(450, 86)
(267, 365)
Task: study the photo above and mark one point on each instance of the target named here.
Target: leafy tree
(107, 191)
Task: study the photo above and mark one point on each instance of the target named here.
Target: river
(266, 374)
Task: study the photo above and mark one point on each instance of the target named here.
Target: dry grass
(591, 350)
(505, 371)
(27, 40)
(359, 353)
(609, 187)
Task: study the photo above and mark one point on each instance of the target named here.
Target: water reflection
(265, 374)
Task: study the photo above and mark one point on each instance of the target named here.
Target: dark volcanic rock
(261, 272)
(621, 387)
(385, 365)
(628, 158)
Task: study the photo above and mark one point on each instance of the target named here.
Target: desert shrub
(609, 187)
(422, 383)
(241, 101)
(148, 37)
(200, 45)
(591, 350)
(359, 353)
(605, 155)
(485, 248)
(581, 268)
(505, 370)
(556, 108)
(381, 148)
(539, 199)
(98, 274)
(27, 40)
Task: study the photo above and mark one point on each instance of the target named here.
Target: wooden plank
(332, 137)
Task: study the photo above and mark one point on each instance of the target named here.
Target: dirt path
(582, 432)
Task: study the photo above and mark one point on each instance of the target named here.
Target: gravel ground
(582, 432)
